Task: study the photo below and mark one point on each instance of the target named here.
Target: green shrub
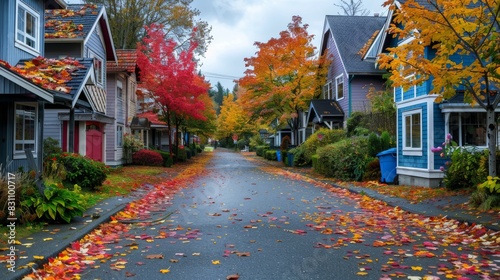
(386, 141)
(57, 204)
(320, 138)
(344, 160)
(464, 169)
(256, 141)
(24, 188)
(168, 161)
(261, 150)
(131, 144)
(83, 171)
(314, 160)
(299, 158)
(354, 121)
(51, 147)
(374, 144)
(181, 155)
(271, 155)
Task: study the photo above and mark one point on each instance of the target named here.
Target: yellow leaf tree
(232, 118)
(283, 76)
(454, 44)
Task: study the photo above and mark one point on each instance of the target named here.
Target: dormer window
(98, 69)
(27, 25)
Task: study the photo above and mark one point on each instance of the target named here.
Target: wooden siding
(57, 50)
(336, 69)
(96, 46)
(8, 87)
(360, 87)
(413, 161)
(53, 125)
(8, 51)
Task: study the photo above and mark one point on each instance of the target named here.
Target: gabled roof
(77, 23)
(127, 61)
(350, 34)
(152, 117)
(24, 82)
(324, 110)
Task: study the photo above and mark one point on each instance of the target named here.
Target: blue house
(22, 99)
(423, 123)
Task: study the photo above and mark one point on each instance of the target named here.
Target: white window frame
(119, 136)
(337, 83)
(99, 71)
(410, 150)
(19, 154)
(21, 44)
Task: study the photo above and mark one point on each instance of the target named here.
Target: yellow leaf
(38, 257)
(165, 271)
(48, 238)
(215, 262)
(417, 268)
(362, 273)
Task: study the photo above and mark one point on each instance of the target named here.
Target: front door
(94, 144)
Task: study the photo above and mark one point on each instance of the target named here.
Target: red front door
(94, 144)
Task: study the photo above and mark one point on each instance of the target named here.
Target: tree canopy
(454, 44)
(284, 76)
(128, 18)
(170, 77)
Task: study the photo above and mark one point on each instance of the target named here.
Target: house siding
(53, 125)
(8, 51)
(96, 46)
(360, 87)
(439, 136)
(413, 161)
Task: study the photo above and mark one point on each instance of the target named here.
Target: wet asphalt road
(240, 219)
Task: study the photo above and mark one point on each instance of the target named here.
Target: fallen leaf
(155, 256)
(38, 257)
(215, 262)
(233, 277)
(165, 271)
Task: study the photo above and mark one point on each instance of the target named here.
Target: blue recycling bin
(278, 155)
(388, 161)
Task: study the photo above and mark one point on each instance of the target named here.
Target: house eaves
(26, 84)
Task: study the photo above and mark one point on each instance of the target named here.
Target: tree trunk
(492, 141)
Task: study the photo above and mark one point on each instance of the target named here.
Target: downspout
(350, 97)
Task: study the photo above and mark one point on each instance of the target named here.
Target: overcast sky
(238, 24)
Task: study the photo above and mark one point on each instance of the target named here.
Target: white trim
(416, 101)
(420, 172)
(410, 151)
(37, 38)
(94, 55)
(430, 135)
(90, 73)
(337, 87)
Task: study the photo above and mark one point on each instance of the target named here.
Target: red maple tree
(168, 74)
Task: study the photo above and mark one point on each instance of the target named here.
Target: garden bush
(168, 161)
(182, 155)
(24, 188)
(344, 160)
(463, 169)
(56, 204)
(83, 171)
(372, 170)
(51, 147)
(261, 150)
(147, 157)
(320, 138)
(271, 155)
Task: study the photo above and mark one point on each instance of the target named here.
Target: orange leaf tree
(453, 43)
(170, 77)
(284, 76)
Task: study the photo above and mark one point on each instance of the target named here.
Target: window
(25, 128)
(468, 128)
(27, 24)
(119, 136)
(339, 81)
(412, 135)
(98, 68)
(119, 90)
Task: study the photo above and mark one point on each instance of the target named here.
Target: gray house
(352, 72)
(81, 31)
